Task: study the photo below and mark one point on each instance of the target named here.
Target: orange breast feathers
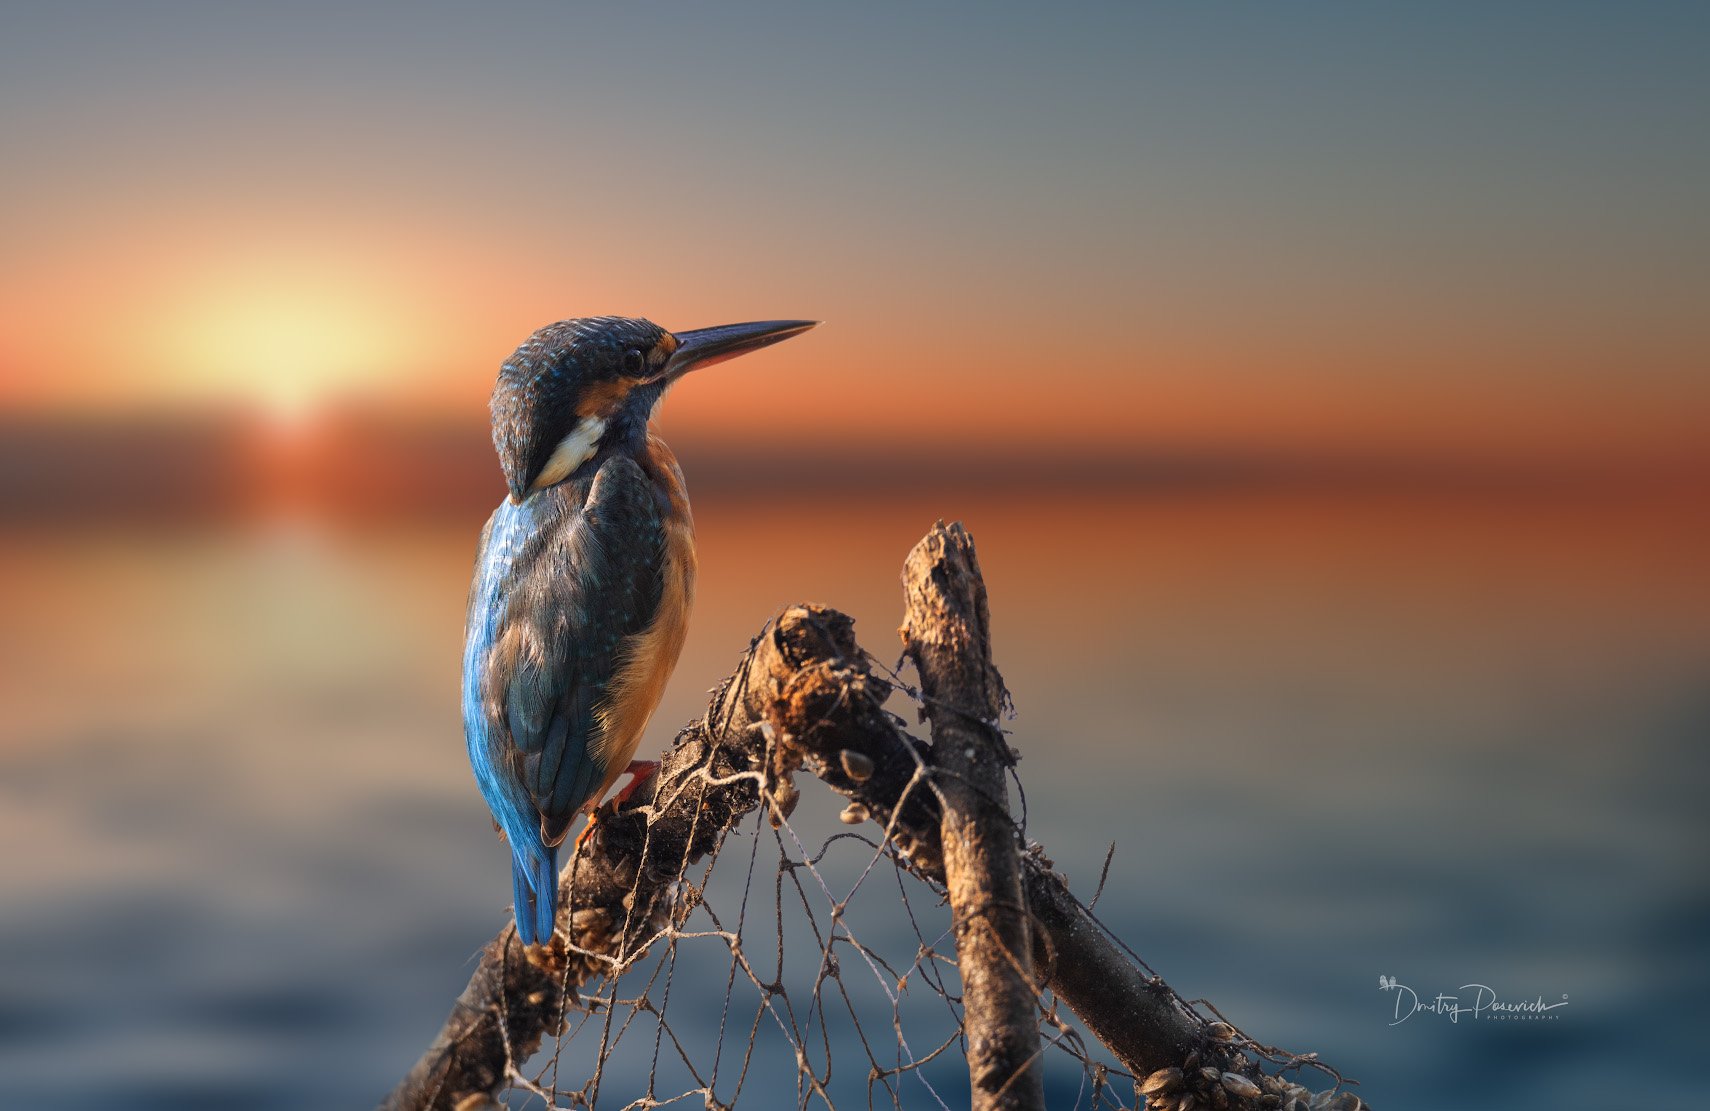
(651, 656)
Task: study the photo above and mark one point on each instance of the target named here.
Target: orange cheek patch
(602, 398)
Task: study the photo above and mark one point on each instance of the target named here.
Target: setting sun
(282, 335)
(197, 321)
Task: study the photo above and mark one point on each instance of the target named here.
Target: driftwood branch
(947, 633)
(805, 697)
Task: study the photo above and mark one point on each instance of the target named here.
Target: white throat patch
(572, 451)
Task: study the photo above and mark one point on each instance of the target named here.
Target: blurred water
(1446, 740)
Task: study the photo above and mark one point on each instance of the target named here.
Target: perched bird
(583, 580)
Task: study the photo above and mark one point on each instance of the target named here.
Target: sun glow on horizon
(286, 336)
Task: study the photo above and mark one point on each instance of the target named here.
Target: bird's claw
(639, 771)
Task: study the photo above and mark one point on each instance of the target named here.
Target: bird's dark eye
(633, 363)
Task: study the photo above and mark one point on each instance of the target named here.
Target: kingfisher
(583, 579)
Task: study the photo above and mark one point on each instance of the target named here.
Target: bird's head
(577, 384)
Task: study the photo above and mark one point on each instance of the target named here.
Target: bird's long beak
(706, 346)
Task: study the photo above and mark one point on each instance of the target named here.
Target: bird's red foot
(640, 772)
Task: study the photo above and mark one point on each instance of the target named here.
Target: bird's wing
(594, 584)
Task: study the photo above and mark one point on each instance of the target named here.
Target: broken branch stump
(947, 633)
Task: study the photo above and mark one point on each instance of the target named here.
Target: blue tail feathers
(534, 887)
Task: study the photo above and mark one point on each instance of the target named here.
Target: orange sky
(1226, 252)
